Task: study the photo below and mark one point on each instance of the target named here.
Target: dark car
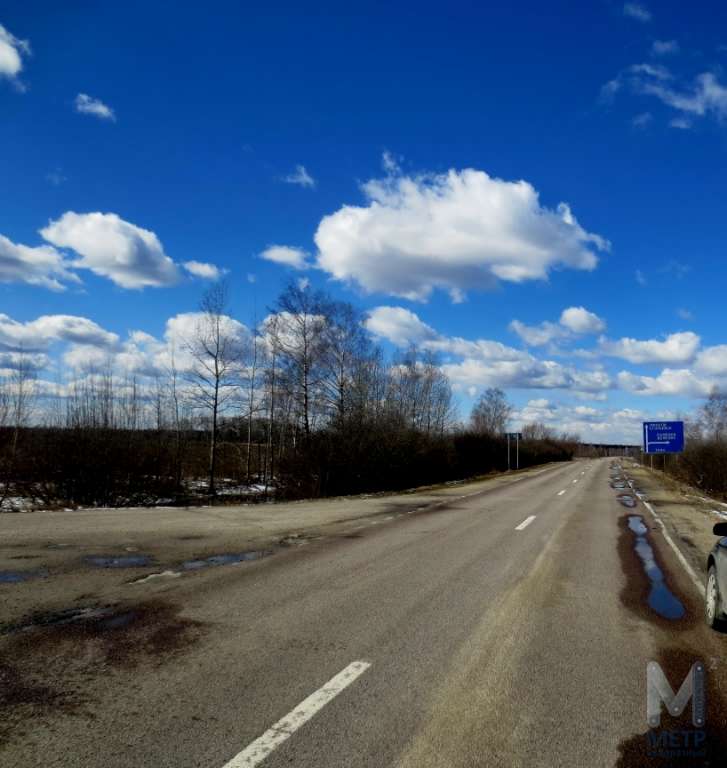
(716, 591)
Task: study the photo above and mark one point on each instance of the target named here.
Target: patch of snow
(160, 575)
(17, 503)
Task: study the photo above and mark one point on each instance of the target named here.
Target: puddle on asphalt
(123, 561)
(627, 500)
(206, 562)
(226, 559)
(18, 577)
(661, 598)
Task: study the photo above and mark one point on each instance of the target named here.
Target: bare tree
(4, 401)
(216, 350)
(346, 346)
(714, 415)
(271, 393)
(436, 408)
(22, 391)
(369, 386)
(537, 431)
(173, 383)
(253, 394)
(301, 343)
(19, 400)
(491, 412)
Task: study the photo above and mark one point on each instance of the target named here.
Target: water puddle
(212, 561)
(225, 559)
(122, 561)
(18, 577)
(627, 500)
(661, 598)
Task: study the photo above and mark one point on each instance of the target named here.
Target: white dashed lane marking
(525, 523)
(256, 752)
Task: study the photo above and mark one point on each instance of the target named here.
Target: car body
(715, 599)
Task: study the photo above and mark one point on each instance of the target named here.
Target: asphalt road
(505, 627)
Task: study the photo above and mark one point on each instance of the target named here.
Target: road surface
(505, 627)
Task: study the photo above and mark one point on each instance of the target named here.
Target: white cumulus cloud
(12, 51)
(675, 349)
(87, 105)
(398, 325)
(713, 360)
(574, 321)
(128, 255)
(287, 256)
(203, 269)
(538, 335)
(474, 364)
(455, 231)
(579, 320)
(671, 381)
(39, 333)
(40, 265)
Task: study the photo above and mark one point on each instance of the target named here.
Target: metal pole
(508, 451)
(517, 451)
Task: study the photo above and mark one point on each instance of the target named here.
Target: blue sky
(414, 156)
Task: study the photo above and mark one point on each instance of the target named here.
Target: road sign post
(663, 437)
(517, 437)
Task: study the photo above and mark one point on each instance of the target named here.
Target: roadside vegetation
(302, 405)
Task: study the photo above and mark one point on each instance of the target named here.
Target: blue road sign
(663, 436)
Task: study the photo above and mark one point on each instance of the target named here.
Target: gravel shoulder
(687, 513)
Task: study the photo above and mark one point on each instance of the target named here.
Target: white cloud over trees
(457, 231)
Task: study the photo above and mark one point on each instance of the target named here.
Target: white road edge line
(525, 523)
(560, 493)
(688, 568)
(262, 747)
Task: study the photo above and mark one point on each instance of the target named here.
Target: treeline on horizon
(305, 405)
